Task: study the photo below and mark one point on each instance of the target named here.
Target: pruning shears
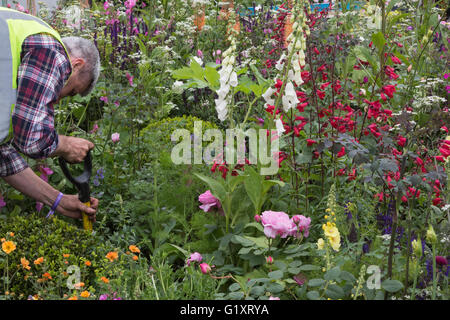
(82, 184)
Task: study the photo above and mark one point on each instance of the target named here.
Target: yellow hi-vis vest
(15, 27)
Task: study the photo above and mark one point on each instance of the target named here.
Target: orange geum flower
(47, 276)
(112, 255)
(25, 263)
(105, 280)
(39, 260)
(85, 294)
(66, 255)
(8, 247)
(3, 240)
(88, 263)
(134, 249)
(135, 258)
(73, 298)
(78, 285)
(11, 234)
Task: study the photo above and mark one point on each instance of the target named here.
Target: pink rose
(303, 225)
(205, 268)
(195, 257)
(277, 223)
(208, 201)
(115, 137)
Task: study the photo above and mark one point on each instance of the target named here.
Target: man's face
(77, 83)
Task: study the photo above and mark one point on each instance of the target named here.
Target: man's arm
(31, 185)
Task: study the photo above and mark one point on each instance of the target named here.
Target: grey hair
(82, 48)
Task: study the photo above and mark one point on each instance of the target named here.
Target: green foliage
(35, 237)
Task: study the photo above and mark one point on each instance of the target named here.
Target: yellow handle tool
(82, 184)
(87, 224)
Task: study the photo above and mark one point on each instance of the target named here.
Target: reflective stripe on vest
(15, 27)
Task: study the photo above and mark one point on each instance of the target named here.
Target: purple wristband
(55, 205)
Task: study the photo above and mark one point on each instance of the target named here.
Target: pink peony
(277, 223)
(303, 225)
(274, 298)
(195, 257)
(208, 201)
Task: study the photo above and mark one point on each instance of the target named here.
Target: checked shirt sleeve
(42, 73)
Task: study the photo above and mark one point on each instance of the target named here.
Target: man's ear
(77, 63)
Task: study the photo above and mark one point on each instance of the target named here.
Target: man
(37, 69)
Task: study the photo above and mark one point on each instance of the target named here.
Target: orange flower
(88, 263)
(135, 258)
(25, 263)
(78, 285)
(105, 280)
(3, 240)
(8, 246)
(11, 234)
(39, 260)
(47, 276)
(199, 18)
(73, 298)
(112, 255)
(85, 294)
(66, 255)
(287, 29)
(134, 249)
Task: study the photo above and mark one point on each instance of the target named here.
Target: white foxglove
(279, 126)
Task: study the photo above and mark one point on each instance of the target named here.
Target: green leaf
(332, 274)
(313, 295)
(315, 282)
(212, 76)
(197, 70)
(261, 242)
(392, 285)
(241, 240)
(335, 292)
(236, 295)
(309, 267)
(255, 225)
(186, 254)
(234, 287)
(347, 276)
(183, 73)
(378, 40)
(275, 275)
(217, 188)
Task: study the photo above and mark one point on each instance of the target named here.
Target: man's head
(85, 61)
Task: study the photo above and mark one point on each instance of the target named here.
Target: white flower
(177, 87)
(221, 108)
(198, 60)
(279, 126)
(223, 91)
(267, 96)
(289, 98)
(279, 65)
(233, 79)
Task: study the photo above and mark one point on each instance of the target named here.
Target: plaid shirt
(42, 73)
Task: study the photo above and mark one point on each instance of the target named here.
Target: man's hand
(71, 206)
(73, 149)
